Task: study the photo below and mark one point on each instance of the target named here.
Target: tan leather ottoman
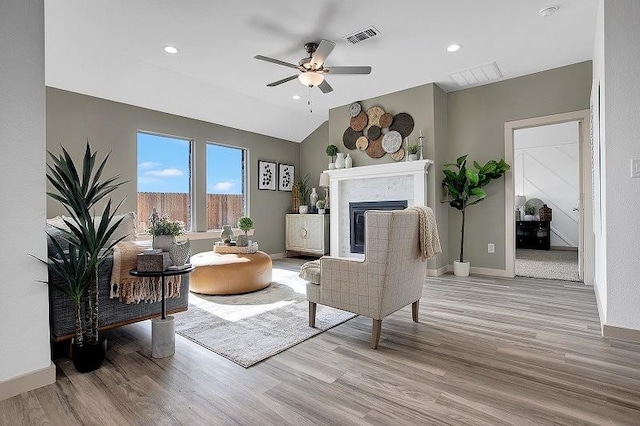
(229, 273)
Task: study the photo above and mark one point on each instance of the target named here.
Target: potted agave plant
(464, 189)
(302, 190)
(74, 271)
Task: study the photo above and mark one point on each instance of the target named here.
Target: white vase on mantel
(340, 160)
(348, 162)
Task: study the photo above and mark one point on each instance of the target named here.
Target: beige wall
(476, 120)
(112, 126)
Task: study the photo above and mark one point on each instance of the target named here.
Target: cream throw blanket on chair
(130, 289)
(429, 238)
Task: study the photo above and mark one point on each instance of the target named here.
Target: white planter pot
(332, 166)
(461, 269)
(340, 160)
(413, 157)
(321, 211)
(528, 217)
(303, 209)
(163, 242)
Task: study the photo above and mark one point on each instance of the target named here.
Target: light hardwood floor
(486, 352)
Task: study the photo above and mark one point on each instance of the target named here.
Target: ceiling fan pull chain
(309, 102)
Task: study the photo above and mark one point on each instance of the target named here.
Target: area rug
(249, 328)
(547, 264)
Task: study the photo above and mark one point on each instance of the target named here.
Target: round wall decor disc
(349, 138)
(359, 122)
(374, 114)
(355, 109)
(362, 143)
(392, 141)
(374, 150)
(386, 120)
(403, 124)
(398, 155)
(373, 132)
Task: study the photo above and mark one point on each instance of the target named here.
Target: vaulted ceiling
(114, 50)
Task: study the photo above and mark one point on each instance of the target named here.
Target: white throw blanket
(429, 238)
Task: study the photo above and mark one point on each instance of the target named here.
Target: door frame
(585, 227)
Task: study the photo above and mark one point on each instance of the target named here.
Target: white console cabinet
(307, 233)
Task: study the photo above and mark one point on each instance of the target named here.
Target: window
(164, 178)
(226, 187)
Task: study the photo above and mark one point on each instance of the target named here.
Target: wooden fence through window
(222, 209)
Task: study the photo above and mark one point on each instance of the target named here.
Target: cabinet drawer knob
(303, 232)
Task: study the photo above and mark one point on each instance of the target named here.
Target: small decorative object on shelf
(180, 252)
(420, 138)
(220, 248)
(413, 152)
(302, 191)
(320, 204)
(348, 162)
(245, 224)
(340, 160)
(227, 234)
(545, 213)
(313, 199)
(331, 151)
(529, 211)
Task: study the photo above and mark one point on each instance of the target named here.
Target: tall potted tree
(464, 189)
(89, 242)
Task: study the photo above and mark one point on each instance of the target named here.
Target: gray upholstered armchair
(389, 278)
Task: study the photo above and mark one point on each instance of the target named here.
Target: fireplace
(356, 219)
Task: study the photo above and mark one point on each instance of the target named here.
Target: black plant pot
(89, 356)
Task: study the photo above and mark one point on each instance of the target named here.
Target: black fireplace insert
(356, 219)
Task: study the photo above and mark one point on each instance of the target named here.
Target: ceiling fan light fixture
(172, 50)
(310, 78)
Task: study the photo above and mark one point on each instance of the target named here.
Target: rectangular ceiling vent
(476, 76)
(362, 35)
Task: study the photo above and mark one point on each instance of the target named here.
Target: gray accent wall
(111, 126)
(476, 120)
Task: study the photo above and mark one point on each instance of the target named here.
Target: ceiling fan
(312, 67)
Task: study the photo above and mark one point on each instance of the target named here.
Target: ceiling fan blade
(277, 61)
(348, 70)
(284, 80)
(325, 87)
(320, 55)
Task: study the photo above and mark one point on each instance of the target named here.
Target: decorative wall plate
(362, 143)
(374, 114)
(403, 124)
(355, 109)
(373, 132)
(359, 122)
(392, 141)
(398, 155)
(374, 150)
(386, 119)
(349, 138)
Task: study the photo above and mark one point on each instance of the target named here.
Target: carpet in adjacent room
(547, 264)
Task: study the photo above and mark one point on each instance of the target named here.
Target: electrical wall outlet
(491, 248)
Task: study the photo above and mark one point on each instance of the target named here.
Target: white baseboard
(599, 305)
(277, 256)
(440, 271)
(490, 272)
(28, 381)
(620, 333)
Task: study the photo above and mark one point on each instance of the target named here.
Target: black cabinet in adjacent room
(533, 234)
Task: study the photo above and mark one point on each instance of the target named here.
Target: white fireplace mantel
(405, 180)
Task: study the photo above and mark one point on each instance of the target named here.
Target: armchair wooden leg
(375, 333)
(414, 310)
(312, 314)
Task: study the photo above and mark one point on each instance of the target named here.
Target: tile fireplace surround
(405, 180)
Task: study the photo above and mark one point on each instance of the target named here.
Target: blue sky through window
(224, 170)
(163, 164)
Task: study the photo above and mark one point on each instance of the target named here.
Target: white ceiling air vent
(476, 76)
(362, 35)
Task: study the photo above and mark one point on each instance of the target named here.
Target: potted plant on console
(164, 231)
(302, 190)
(464, 189)
(78, 250)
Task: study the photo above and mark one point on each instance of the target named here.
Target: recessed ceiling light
(454, 47)
(170, 49)
(548, 11)
(296, 97)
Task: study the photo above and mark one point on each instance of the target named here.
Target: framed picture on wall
(266, 175)
(286, 172)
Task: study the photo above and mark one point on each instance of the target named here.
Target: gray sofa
(112, 312)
